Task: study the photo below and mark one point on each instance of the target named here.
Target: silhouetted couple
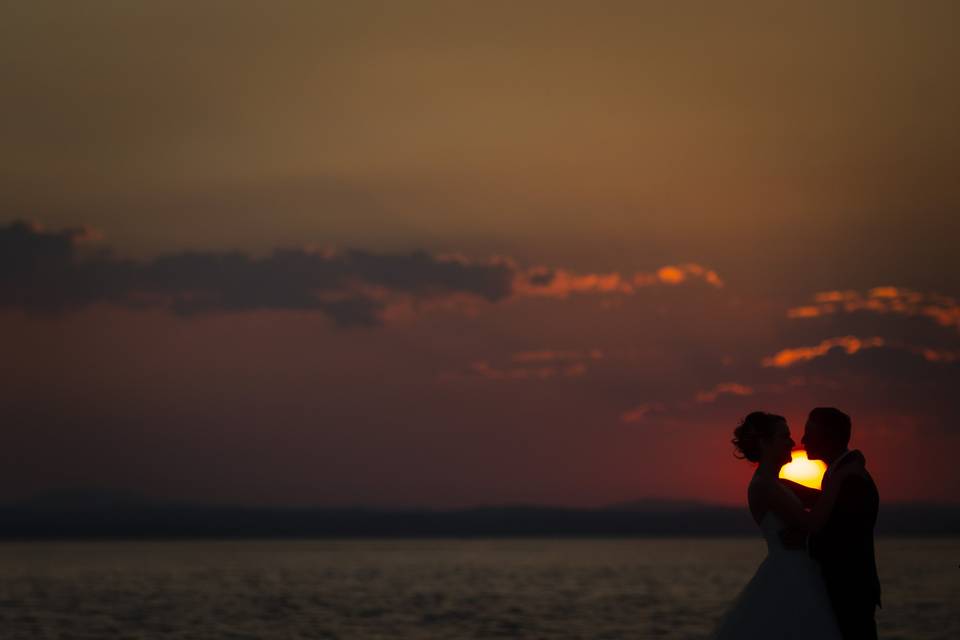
(819, 579)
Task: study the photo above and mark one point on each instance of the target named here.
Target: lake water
(514, 588)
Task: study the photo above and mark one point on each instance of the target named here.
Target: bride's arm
(776, 499)
(808, 495)
(792, 512)
(794, 515)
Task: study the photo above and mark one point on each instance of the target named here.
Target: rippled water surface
(623, 588)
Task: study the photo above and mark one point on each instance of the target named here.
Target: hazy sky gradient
(790, 150)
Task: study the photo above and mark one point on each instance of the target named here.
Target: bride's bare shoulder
(758, 492)
(760, 485)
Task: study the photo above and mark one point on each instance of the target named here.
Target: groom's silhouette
(844, 546)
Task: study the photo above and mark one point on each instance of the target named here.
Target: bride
(786, 597)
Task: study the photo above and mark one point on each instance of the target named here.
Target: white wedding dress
(785, 599)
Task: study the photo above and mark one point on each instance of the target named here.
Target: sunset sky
(461, 253)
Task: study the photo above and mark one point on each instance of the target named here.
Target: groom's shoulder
(854, 456)
(859, 486)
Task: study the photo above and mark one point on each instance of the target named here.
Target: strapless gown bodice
(770, 527)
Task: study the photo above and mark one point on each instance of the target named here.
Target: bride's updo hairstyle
(753, 430)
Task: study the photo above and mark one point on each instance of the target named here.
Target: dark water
(624, 588)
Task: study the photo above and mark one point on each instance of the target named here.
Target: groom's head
(826, 433)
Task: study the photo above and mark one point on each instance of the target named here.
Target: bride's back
(770, 524)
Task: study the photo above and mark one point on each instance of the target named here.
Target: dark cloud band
(54, 271)
(47, 271)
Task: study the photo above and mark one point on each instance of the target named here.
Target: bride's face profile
(778, 447)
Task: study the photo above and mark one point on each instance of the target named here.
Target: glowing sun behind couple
(819, 579)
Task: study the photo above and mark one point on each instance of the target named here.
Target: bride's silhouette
(787, 596)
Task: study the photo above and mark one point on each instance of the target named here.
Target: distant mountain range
(120, 514)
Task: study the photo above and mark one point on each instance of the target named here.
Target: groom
(844, 547)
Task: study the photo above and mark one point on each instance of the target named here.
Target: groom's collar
(836, 463)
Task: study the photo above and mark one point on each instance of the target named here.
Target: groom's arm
(808, 496)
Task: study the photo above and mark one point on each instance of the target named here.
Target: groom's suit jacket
(844, 546)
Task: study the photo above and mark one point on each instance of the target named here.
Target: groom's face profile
(814, 441)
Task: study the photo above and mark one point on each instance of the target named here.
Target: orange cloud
(576, 369)
(943, 310)
(850, 344)
(946, 316)
(884, 292)
(533, 365)
(561, 283)
(641, 412)
(732, 388)
(738, 389)
(804, 312)
(936, 355)
(671, 275)
(834, 296)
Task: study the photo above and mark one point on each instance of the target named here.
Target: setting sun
(803, 471)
